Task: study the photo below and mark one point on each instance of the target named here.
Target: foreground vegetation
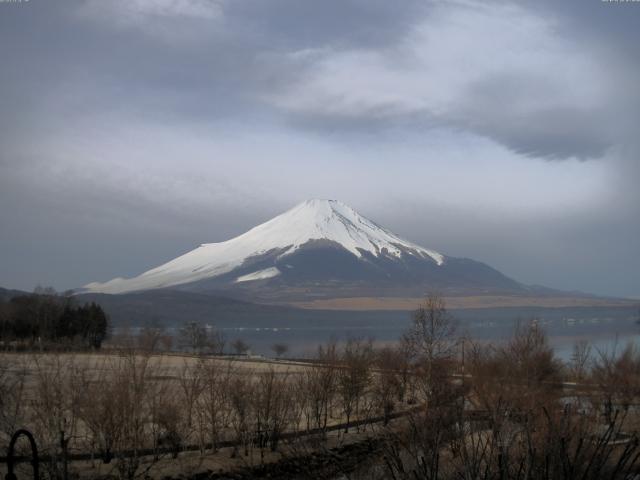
(435, 407)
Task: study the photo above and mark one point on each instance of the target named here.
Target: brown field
(127, 400)
(479, 301)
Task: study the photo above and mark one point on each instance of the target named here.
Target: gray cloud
(500, 71)
(294, 25)
(132, 131)
(556, 133)
(491, 107)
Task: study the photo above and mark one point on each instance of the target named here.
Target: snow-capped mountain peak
(312, 220)
(329, 220)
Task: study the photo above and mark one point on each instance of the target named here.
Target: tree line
(46, 319)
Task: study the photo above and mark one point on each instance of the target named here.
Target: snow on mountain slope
(259, 275)
(311, 220)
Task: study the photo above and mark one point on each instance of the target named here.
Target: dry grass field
(478, 301)
(123, 413)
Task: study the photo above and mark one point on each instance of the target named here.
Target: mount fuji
(318, 249)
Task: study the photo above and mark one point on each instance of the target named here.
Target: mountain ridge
(309, 221)
(318, 248)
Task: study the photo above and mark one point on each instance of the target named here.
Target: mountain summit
(318, 248)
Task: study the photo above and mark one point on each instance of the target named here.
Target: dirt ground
(486, 301)
(194, 463)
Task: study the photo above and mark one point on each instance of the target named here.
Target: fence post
(34, 455)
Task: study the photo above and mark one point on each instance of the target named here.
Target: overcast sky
(131, 131)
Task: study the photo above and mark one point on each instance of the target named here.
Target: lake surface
(605, 328)
(303, 342)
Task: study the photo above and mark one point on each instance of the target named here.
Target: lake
(606, 328)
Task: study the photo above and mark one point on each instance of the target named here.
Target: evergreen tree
(46, 316)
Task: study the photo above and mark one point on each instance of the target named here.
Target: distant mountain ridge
(7, 294)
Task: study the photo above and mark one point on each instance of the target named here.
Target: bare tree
(431, 334)
(389, 381)
(117, 418)
(317, 388)
(280, 349)
(417, 447)
(100, 409)
(354, 377)
(214, 404)
(271, 400)
(193, 336)
(191, 387)
(240, 393)
(516, 377)
(618, 376)
(132, 385)
(240, 346)
(151, 336)
(579, 360)
(13, 401)
(55, 406)
(431, 345)
(216, 341)
(164, 407)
